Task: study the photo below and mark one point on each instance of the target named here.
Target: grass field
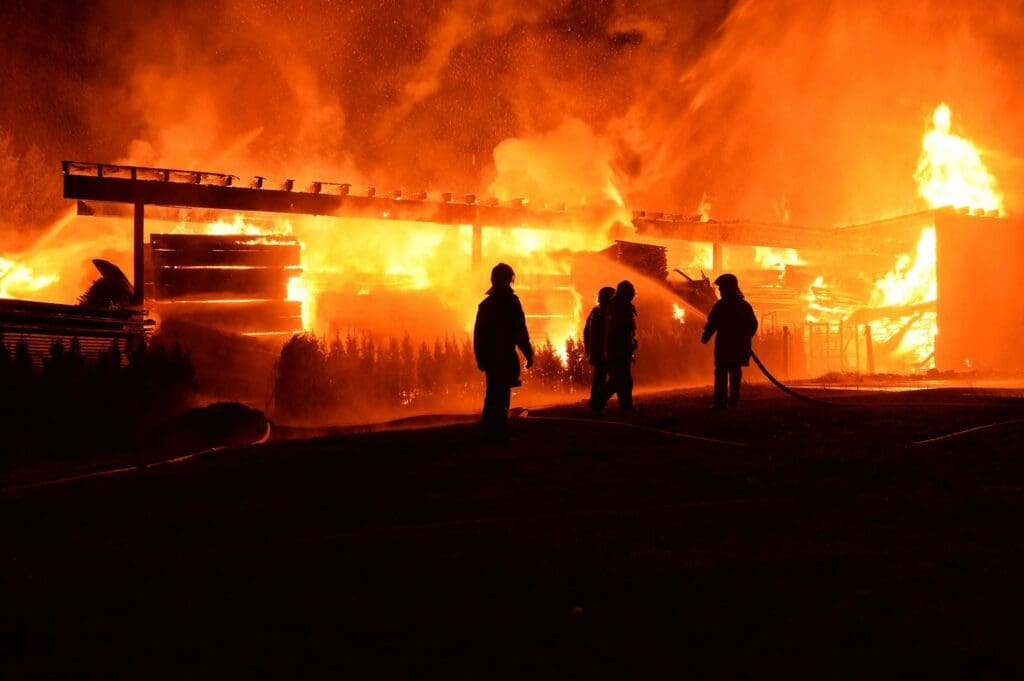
(794, 540)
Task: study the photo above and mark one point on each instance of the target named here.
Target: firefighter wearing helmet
(500, 328)
(620, 346)
(733, 323)
(595, 342)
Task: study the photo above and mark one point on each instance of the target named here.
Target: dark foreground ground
(829, 546)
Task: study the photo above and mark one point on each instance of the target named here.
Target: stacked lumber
(40, 325)
(236, 283)
(645, 258)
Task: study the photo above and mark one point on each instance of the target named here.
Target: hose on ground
(757, 360)
(785, 388)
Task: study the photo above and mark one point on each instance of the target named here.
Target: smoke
(813, 112)
(810, 113)
(814, 109)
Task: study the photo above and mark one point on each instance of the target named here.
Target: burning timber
(234, 283)
(822, 298)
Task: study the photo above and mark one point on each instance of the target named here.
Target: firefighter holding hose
(733, 323)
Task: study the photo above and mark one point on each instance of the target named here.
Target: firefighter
(500, 328)
(732, 319)
(620, 346)
(595, 336)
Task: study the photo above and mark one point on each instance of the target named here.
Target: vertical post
(478, 244)
(828, 349)
(138, 251)
(856, 347)
(842, 348)
(869, 352)
(785, 351)
(810, 348)
(717, 258)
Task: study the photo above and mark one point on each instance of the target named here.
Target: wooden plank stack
(236, 283)
(39, 325)
(645, 258)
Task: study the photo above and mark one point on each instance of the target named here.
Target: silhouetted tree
(408, 375)
(302, 385)
(547, 366)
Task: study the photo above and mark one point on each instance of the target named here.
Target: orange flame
(950, 171)
(18, 280)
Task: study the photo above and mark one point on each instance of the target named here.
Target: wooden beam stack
(236, 283)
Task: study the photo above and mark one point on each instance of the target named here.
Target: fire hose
(785, 388)
(757, 360)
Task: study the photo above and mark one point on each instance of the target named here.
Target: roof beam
(98, 186)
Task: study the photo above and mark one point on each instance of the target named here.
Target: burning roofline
(218, 191)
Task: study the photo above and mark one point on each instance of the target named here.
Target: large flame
(912, 279)
(950, 171)
(21, 281)
(911, 282)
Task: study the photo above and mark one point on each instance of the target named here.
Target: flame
(678, 313)
(822, 305)
(239, 224)
(704, 208)
(300, 289)
(912, 279)
(777, 258)
(950, 171)
(18, 280)
(57, 267)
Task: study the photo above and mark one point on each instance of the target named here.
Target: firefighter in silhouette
(595, 340)
(619, 348)
(732, 319)
(500, 328)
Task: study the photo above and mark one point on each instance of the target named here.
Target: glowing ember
(950, 171)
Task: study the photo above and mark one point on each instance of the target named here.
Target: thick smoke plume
(787, 110)
(809, 113)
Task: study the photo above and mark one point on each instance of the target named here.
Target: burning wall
(979, 281)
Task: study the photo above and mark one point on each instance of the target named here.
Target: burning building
(862, 298)
(645, 107)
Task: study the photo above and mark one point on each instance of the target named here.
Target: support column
(869, 351)
(785, 351)
(139, 253)
(856, 347)
(828, 349)
(717, 259)
(478, 240)
(842, 348)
